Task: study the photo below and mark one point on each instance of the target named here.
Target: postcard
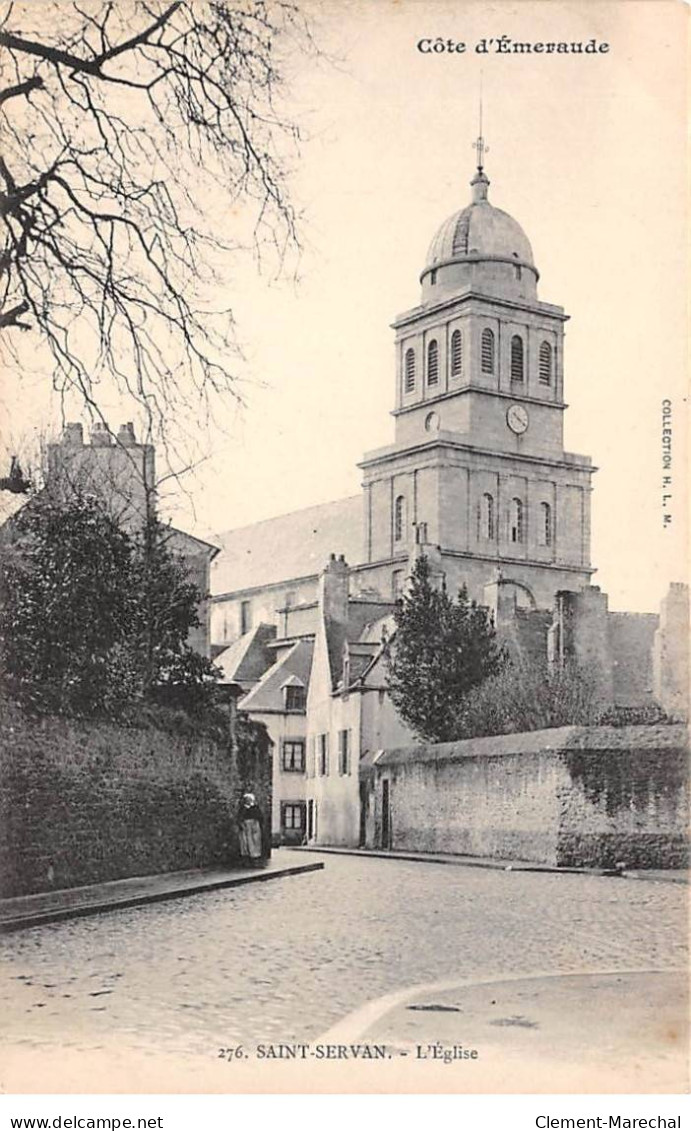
(344, 547)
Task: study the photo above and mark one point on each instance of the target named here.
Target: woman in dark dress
(250, 828)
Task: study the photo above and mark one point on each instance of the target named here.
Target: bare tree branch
(21, 88)
(132, 115)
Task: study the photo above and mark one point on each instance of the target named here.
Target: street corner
(594, 1031)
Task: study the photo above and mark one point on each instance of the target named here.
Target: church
(477, 479)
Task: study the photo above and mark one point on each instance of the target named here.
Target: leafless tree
(131, 131)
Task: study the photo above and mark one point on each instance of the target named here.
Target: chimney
(73, 435)
(100, 435)
(126, 435)
(333, 589)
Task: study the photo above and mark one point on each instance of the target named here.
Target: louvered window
(516, 358)
(485, 518)
(545, 364)
(399, 518)
(487, 350)
(516, 521)
(546, 524)
(456, 353)
(433, 363)
(409, 367)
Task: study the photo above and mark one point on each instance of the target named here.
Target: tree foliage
(93, 620)
(130, 130)
(442, 649)
(529, 696)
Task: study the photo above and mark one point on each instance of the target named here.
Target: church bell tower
(478, 466)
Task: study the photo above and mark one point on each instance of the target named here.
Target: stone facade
(573, 796)
(83, 802)
(671, 652)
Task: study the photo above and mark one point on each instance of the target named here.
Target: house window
(487, 351)
(516, 358)
(409, 371)
(485, 516)
(433, 362)
(545, 524)
(456, 353)
(245, 617)
(293, 756)
(344, 751)
(293, 816)
(322, 754)
(295, 697)
(545, 364)
(516, 521)
(398, 518)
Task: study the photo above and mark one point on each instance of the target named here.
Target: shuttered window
(516, 521)
(433, 362)
(456, 353)
(516, 358)
(545, 524)
(545, 364)
(487, 350)
(485, 518)
(409, 367)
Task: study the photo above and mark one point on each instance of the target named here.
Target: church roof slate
(246, 661)
(289, 546)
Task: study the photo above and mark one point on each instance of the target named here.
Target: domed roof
(480, 231)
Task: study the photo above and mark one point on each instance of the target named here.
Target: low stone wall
(578, 796)
(83, 802)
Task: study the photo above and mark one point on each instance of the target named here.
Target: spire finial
(479, 145)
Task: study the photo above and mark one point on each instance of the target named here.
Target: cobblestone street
(287, 960)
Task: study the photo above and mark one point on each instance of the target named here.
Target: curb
(58, 914)
(494, 865)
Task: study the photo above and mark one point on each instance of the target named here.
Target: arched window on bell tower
(399, 518)
(545, 531)
(545, 364)
(409, 371)
(433, 362)
(517, 359)
(516, 521)
(485, 518)
(487, 351)
(456, 354)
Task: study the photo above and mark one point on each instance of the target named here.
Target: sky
(586, 152)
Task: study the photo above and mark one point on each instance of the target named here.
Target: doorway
(385, 814)
(311, 821)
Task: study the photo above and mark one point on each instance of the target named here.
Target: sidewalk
(70, 903)
(670, 876)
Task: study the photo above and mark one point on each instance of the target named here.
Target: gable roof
(268, 693)
(289, 546)
(186, 543)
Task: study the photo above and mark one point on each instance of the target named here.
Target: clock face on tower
(517, 418)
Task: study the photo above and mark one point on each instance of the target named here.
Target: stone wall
(82, 802)
(576, 796)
